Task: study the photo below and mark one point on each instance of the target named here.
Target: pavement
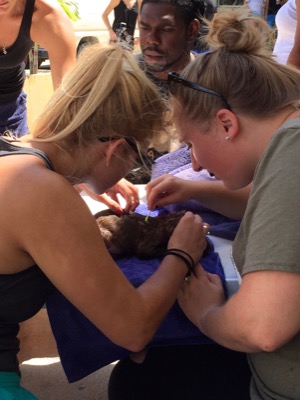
(45, 378)
(42, 372)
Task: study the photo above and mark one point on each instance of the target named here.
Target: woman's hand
(124, 188)
(202, 292)
(112, 35)
(128, 191)
(166, 189)
(190, 236)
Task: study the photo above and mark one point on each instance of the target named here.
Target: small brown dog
(134, 235)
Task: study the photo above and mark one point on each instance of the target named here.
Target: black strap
(8, 149)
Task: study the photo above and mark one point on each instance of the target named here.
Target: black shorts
(197, 372)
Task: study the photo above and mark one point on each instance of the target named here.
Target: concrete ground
(45, 378)
(41, 370)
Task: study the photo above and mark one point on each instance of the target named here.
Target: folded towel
(82, 347)
(171, 162)
(178, 163)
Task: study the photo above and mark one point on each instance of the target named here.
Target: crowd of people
(79, 139)
(234, 101)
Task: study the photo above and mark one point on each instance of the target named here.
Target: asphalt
(45, 378)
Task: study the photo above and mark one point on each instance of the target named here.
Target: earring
(227, 138)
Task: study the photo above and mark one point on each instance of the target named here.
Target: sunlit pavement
(45, 378)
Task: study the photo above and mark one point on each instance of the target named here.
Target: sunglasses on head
(174, 77)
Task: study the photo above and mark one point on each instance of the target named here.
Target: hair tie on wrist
(192, 262)
(184, 256)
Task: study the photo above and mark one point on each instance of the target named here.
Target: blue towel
(178, 163)
(83, 349)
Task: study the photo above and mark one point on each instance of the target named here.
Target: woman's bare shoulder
(46, 10)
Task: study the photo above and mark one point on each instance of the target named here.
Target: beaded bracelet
(184, 256)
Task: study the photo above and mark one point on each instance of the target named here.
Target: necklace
(4, 51)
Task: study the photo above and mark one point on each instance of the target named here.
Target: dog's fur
(132, 235)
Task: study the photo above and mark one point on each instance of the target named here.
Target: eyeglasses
(141, 157)
(174, 77)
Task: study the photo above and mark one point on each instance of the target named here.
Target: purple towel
(82, 347)
(171, 163)
(178, 163)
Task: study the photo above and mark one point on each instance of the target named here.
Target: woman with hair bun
(239, 112)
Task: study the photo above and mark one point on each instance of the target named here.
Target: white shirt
(286, 22)
(256, 6)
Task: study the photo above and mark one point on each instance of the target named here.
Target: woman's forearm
(214, 195)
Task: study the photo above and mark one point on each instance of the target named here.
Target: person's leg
(208, 372)
(13, 116)
(36, 338)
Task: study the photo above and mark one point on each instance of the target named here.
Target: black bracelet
(185, 257)
(192, 262)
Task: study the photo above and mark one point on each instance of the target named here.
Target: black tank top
(22, 294)
(12, 66)
(125, 15)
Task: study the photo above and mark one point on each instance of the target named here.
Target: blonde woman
(95, 127)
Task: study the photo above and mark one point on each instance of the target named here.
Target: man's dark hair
(187, 9)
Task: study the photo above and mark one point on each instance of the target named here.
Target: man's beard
(154, 67)
(158, 67)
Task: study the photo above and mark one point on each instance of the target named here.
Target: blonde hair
(104, 95)
(241, 68)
